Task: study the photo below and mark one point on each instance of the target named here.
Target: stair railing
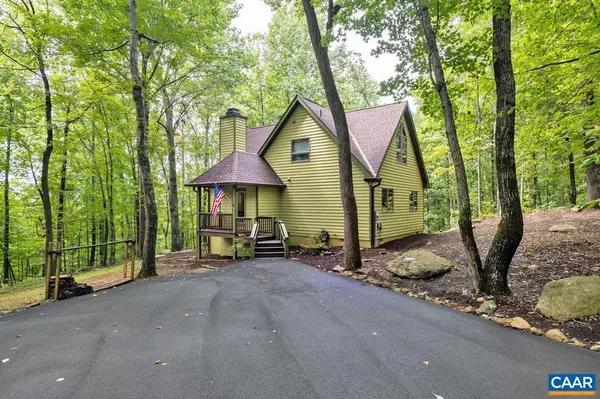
(283, 237)
(253, 238)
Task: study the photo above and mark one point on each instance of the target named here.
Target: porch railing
(266, 225)
(224, 222)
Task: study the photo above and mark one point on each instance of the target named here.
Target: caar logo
(571, 384)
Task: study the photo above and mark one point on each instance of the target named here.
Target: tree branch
(111, 49)
(563, 62)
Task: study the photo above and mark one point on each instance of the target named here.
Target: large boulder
(418, 264)
(570, 298)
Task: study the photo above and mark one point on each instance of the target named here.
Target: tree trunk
(351, 239)
(464, 205)
(63, 184)
(173, 198)
(592, 169)
(6, 250)
(573, 184)
(45, 191)
(148, 268)
(510, 230)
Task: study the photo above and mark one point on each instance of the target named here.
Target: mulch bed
(542, 256)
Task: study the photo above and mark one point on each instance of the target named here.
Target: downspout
(373, 183)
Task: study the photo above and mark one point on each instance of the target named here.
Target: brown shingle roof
(256, 137)
(239, 168)
(371, 132)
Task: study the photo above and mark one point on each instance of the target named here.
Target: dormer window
(300, 150)
(401, 145)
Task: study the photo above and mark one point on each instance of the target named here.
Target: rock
(536, 331)
(595, 347)
(422, 294)
(487, 307)
(373, 280)
(359, 277)
(383, 252)
(480, 299)
(338, 269)
(502, 320)
(468, 309)
(520, 323)
(570, 298)
(533, 267)
(363, 270)
(576, 209)
(409, 259)
(556, 335)
(402, 290)
(562, 228)
(346, 273)
(426, 265)
(386, 284)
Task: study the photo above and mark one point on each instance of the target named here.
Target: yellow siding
(311, 201)
(240, 134)
(226, 137)
(402, 178)
(268, 201)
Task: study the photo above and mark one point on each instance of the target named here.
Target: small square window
(387, 200)
(413, 200)
(300, 150)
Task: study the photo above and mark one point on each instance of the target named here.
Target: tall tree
(464, 205)
(147, 186)
(320, 45)
(510, 230)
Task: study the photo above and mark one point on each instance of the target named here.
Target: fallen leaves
(157, 362)
(437, 396)
(426, 362)
(14, 349)
(5, 360)
(158, 327)
(61, 379)
(186, 315)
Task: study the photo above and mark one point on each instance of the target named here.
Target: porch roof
(241, 168)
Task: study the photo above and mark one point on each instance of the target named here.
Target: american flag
(219, 194)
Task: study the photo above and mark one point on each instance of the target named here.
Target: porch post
(256, 200)
(198, 218)
(234, 217)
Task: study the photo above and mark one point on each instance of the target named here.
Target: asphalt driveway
(270, 329)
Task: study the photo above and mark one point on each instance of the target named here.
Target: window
(300, 150)
(387, 200)
(401, 145)
(413, 200)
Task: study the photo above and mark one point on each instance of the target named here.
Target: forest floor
(31, 291)
(542, 256)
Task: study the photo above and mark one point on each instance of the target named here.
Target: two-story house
(282, 181)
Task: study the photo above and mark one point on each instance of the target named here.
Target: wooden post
(132, 258)
(125, 258)
(198, 220)
(47, 265)
(234, 216)
(256, 200)
(57, 271)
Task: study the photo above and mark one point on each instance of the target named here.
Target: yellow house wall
(311, 201)
(402, 178)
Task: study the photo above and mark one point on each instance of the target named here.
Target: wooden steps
(268, 247)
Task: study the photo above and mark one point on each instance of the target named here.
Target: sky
(255, 16)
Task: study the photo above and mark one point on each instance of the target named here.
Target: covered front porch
(248, 210)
